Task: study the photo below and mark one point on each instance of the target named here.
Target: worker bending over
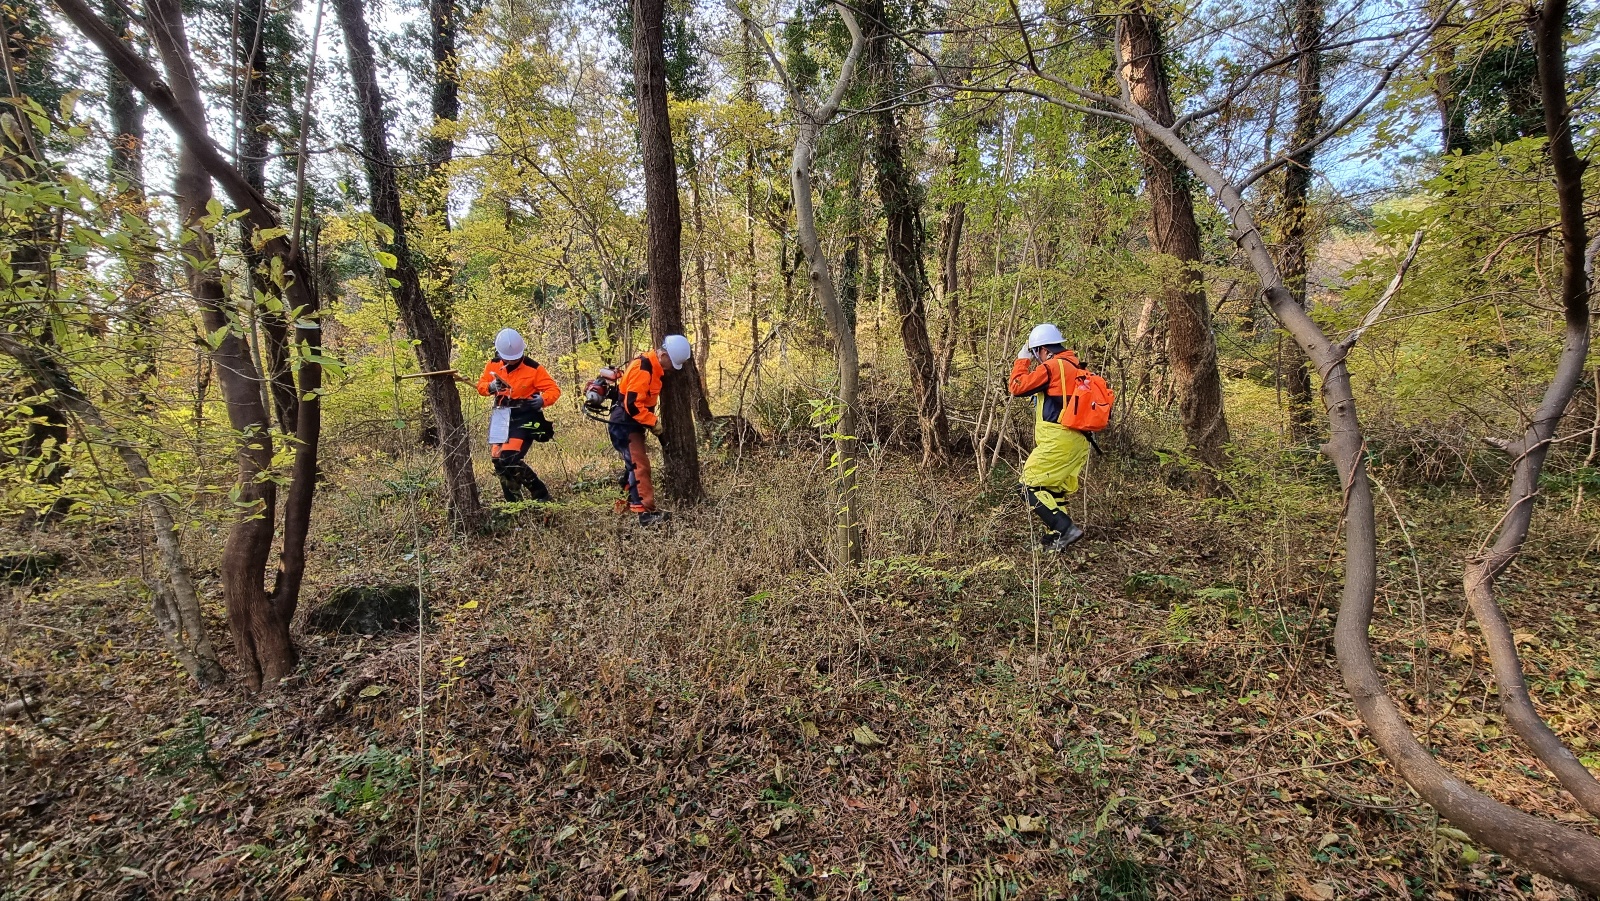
(1047, 371)
(517, 382)
(633, 412)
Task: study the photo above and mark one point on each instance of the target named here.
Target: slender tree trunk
(680, 452)
(808, 126)
(1176, 234)
(433, 345)
(175, 603)
(438, 150)
(1296, 372)
(260, 631)
(127, 168)
(702, 396)
(254, 59)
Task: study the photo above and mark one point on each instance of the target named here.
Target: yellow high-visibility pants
(1058, 457)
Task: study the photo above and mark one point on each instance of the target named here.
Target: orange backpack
(1086, 399)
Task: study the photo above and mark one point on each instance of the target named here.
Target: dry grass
(707, 712)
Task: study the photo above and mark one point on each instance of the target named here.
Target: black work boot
(653, 518)
(1066, 537)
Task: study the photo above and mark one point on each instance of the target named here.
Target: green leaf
(388, 260)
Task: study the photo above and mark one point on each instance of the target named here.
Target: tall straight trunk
(680, 453)
(260, 629)
(1175, 233)
(950, 234)
(702, 395)
(1296, 374)
(433, 345)
(22, 159)
(903, 240)
(446, 98)
(254, 59)
(127, 169)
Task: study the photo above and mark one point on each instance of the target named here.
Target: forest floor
(705, 711)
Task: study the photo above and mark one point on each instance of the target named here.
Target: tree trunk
(808, 127)
(253, 57)
(433, 345)
(1175, 233)
(127, 168)
(22, 159)
(680, 452)
(1296, 369)
(439, 148)
(260, 631)
(260, 626)
(903, 240)
(702, 396)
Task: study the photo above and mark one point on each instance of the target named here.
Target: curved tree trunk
(1530, 451)
(433, 345)
(680, 452)
(1554, 850)
(260, 625)
(1175, 233)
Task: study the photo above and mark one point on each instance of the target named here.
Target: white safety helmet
(677, 348)
(509, 344)
(1044, 335)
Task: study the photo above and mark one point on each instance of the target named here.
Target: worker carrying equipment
(1069, 402)
(526, 389)
(633, 411)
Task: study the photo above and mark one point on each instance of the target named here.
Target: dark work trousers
(627, 437)
(510, 468)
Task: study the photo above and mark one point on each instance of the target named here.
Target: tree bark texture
(446, 99)
(259, 627)
(903, 239)
(1175, 233)
(1530, 451)
(433, 345)
(1296, 369)
(680, 452)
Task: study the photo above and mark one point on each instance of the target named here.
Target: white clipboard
(499, 425)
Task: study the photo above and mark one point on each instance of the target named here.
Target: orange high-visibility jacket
(525, 377)
(1050, 379)
(640, 388)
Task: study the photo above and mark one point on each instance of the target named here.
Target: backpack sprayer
(599, 390)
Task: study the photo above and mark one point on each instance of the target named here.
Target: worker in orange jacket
(634, 412)
(517, 382)
(1044, 370)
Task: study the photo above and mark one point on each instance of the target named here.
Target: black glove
(498, 385)
(532, 404)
